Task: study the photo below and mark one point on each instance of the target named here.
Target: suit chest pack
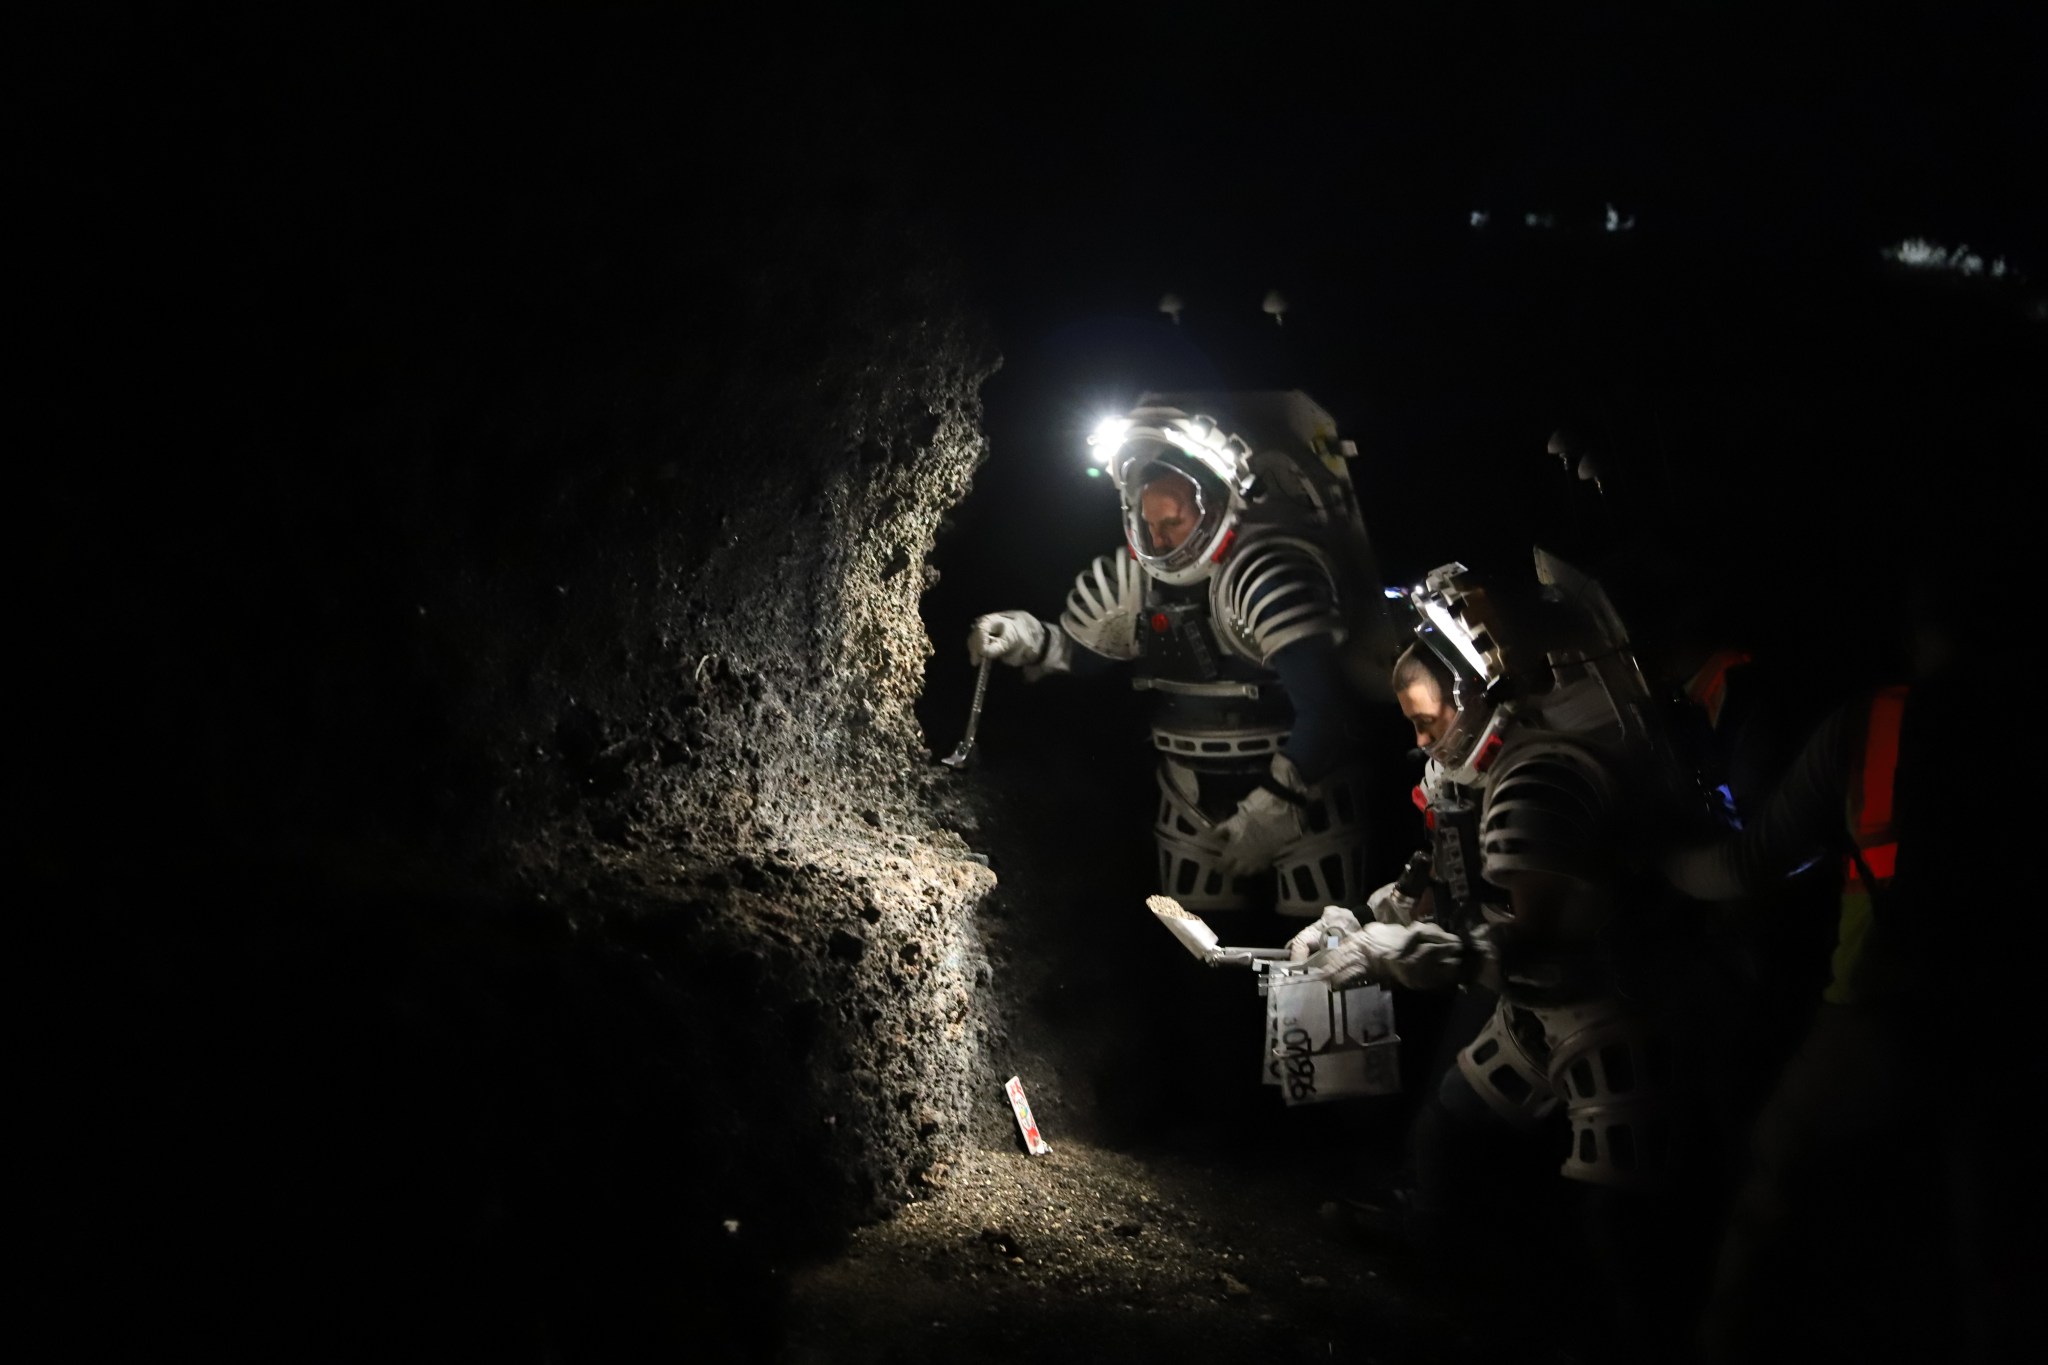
(1454, 847)
(1175, 641)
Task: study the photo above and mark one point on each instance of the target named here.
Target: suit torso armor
(1204, 651)
(1213, 708)
(1464, 898)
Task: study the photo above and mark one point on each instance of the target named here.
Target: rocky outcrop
(526, 639)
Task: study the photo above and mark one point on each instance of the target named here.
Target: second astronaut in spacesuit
(1555, 730)
(1246, 562)
(1578, 787)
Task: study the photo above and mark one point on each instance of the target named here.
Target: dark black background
(267, 225)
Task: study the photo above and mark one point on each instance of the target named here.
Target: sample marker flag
(1035, 1144)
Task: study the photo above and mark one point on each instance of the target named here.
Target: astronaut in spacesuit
(1579, 789)
(1246, 565)
(1555, 725)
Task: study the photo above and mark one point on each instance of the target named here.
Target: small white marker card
(1014, 1088)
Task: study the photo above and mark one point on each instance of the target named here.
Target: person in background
(1899, 1092)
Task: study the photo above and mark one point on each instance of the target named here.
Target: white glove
(1336, 921)
(1389, 906)
(1012, 637)
(1263, 824)
(1427, 957)
(1352, 960)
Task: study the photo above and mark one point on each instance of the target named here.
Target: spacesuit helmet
(1168, 448)
(1455, 621)
(1551, 653)
(1182, 480)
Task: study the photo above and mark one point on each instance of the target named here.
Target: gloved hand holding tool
(1421, 957)
(1398, 901)
(1019, 639)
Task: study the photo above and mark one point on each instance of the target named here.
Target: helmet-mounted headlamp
(1122, 443)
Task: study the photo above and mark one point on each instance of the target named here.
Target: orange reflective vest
(1859, 973)
(1708, 688)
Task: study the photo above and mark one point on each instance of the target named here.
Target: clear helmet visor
(1173, 512)
(1455, 747)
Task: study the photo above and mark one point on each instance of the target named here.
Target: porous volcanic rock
(518, 635)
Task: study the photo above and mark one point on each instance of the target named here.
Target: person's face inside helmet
(1428, 710)
(1167, 507)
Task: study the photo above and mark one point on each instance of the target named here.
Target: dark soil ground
(1091, 1253)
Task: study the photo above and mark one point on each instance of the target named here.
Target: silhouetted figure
(1897, 1074)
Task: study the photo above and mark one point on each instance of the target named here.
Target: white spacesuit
(1245, 566)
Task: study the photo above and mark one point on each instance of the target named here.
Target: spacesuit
(1246, 566)
(1451, 867)
(1581, 789)
(1557, 728)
